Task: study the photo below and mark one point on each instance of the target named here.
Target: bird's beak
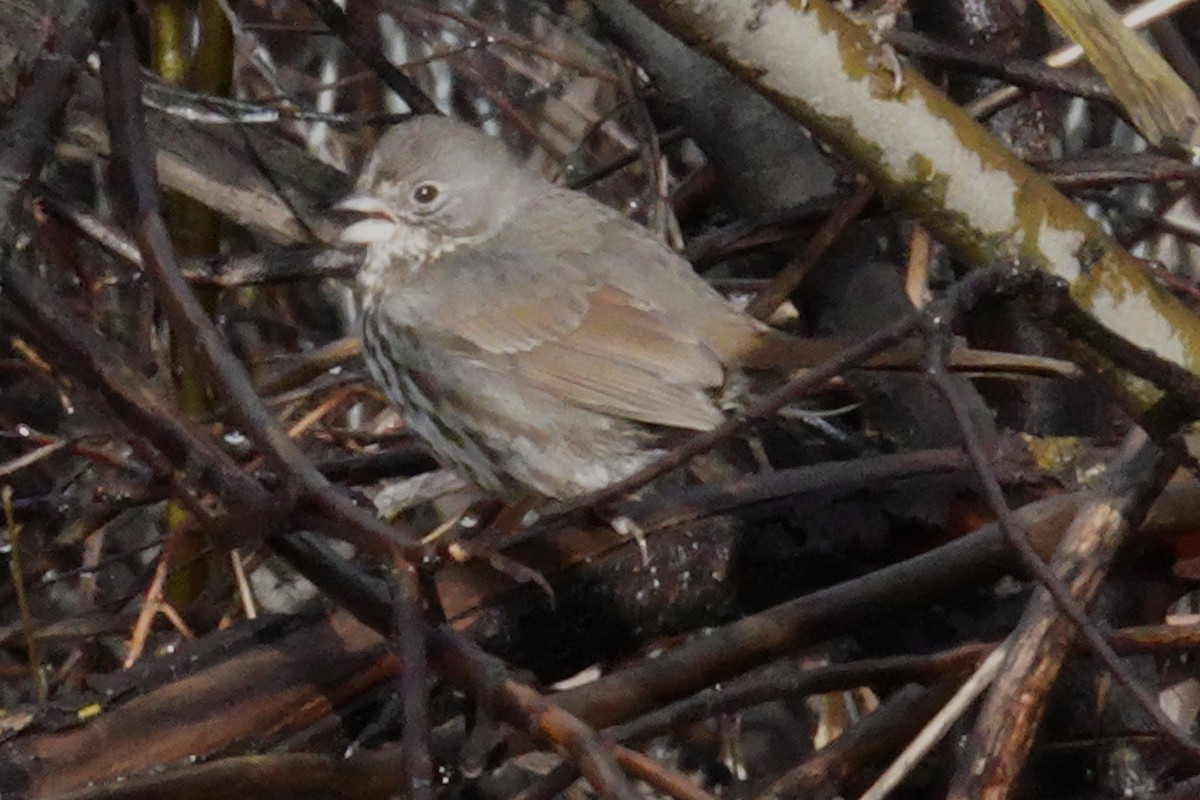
(378, 226)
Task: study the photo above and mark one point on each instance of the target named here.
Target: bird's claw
(627, 527)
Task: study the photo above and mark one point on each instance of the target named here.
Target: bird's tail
(775, 350)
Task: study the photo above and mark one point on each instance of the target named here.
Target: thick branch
(929, 156)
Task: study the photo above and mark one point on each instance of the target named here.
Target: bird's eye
(425, 194)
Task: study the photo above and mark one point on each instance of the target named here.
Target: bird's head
(432, 184)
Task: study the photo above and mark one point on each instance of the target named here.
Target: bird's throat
(400, 256)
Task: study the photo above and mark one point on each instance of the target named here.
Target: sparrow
(539, 341)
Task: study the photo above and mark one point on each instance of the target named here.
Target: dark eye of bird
(425, 193)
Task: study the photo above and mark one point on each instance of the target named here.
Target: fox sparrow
(536, 339)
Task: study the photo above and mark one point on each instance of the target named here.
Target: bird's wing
(626, 360)
(581, 340)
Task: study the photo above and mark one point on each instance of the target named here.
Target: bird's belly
(509, 438)
(394, 361)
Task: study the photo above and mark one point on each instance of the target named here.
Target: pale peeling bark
(928, 156)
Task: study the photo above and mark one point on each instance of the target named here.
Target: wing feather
(564, 322)
(601, 384)
(597, 348)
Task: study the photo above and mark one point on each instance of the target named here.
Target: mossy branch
(932, 159)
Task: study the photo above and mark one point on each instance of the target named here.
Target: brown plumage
(538, 340)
